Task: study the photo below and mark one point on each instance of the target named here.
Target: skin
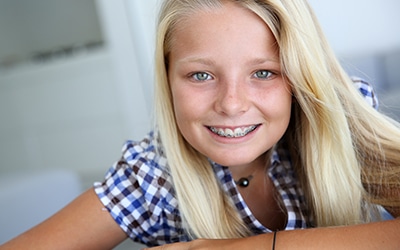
(381, 235)
(234, 98)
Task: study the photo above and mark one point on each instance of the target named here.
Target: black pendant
(243, 182)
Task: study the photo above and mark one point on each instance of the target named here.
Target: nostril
(232, 102)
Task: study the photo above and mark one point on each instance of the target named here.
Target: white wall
(76, 112)
(25, 27)
(365, 36)
(60, 115)
(360, 26)
(142, 20)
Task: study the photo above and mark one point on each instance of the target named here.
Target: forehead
(203, 12)
(214, 27)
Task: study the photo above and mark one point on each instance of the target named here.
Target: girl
(259, 132)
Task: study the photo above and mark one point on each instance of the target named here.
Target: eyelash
(195, 76)
(269, 74)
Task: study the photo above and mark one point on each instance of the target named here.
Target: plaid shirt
(139, 194)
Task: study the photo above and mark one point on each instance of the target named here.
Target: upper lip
(232, 127)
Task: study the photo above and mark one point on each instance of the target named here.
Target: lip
(232, 127)
(226, 139)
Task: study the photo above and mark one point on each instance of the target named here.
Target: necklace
(244, 181)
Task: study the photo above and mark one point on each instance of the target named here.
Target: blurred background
(76, 81)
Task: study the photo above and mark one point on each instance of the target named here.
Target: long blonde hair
(343, 150)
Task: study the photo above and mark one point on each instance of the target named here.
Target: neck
(249, 170)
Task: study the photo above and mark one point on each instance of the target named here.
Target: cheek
(178, 107)
(188, 100)
(283, 110)
(186, 115)
(184, 105)
(276, 103)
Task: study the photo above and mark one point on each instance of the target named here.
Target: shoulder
(145, 155)
(142, 169)
(138, 192)
(142, 159)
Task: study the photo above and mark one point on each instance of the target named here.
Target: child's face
(231, 102)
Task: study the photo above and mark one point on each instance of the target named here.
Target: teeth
(229, 132)
(238, 132)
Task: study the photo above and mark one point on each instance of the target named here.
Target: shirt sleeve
(367, 91)
(139, 196)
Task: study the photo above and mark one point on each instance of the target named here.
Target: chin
(232, 162)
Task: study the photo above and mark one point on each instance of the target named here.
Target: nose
(232, 98)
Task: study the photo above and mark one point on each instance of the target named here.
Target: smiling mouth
(233, 133)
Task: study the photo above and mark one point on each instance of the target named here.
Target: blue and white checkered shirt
(139, 194)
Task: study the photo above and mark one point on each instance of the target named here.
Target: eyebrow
(205, 61)
(210, 62)
(257, 61)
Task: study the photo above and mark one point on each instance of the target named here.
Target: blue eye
(263, 74)
(201, 76)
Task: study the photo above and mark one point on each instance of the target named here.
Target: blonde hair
(343, 150)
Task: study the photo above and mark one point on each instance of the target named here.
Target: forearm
(380, 235)
(83, 224)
